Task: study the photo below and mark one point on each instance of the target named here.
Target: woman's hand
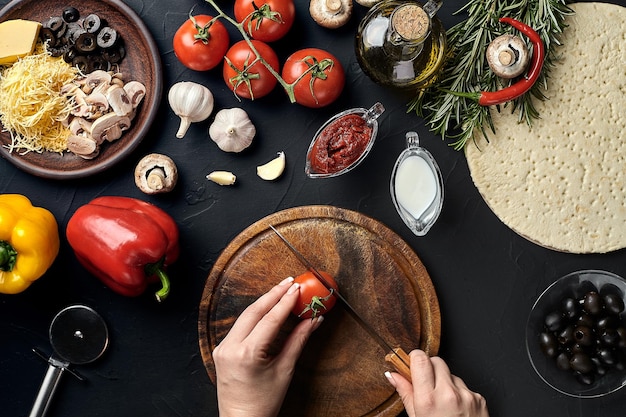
(435, 392)
(251, 382)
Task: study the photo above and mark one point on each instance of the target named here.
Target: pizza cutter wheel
(78, 336)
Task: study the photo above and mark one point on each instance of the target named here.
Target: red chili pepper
(124, 242)
(489, 98)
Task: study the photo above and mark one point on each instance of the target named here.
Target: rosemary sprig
(466, 69)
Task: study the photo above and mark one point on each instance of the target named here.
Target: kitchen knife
(395, 356)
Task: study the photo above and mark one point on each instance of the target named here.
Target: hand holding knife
(396, 356)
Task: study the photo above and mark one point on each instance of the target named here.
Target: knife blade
(395, 356)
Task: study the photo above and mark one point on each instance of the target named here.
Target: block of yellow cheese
(17, 39)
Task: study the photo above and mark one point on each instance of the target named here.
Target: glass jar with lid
(402, 43)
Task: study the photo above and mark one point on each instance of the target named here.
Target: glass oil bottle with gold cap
(402, 43)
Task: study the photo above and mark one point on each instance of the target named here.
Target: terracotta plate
(341, 370)
(142, 63)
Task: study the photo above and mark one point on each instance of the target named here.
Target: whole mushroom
(508, 56)
(331, 14)
(156, 173)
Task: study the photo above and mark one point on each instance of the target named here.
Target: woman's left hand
(250, 381)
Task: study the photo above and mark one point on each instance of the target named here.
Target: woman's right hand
(435, 392)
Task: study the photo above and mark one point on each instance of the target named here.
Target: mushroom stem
(506, 57)
(334, 6)
(156, 178)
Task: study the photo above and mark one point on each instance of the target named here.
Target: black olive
(566, 335)
(607, 356)
(581, 362)
(92, 23)
(548, 344)
(97, 62)
(585, 320)
(606, 322)
(600, 369)
(570, 307)
(74, 30)
(592, 303)
(621, 331)
(553, 321)
(583, 335)
(86, 42)
(82, 63)
(48, 36)
(562, 361)
(114, 55)
(107, 37)
(609, 337)
(613, 303)
(70, 14)
(585, 379)
(56, 24)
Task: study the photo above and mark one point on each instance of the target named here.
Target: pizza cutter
(78, 336)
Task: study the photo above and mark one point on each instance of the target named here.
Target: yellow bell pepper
(29, 242)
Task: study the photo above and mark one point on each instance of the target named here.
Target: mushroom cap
(156, 173)
(508, 56)
(331, 14)
(368, 3)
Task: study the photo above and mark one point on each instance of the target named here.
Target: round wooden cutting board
(340, 372)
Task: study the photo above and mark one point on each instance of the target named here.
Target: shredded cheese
(31, 106)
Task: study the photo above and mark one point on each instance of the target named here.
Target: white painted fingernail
(295, 287)
(390, 378)
(286, 281)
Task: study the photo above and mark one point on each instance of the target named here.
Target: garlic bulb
(192, 102)
(232, 130)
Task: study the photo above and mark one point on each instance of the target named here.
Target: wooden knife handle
(400, 360)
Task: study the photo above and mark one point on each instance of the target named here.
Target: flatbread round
(562, 182)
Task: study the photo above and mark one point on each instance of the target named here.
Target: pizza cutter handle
(400, 360)
(48, 386)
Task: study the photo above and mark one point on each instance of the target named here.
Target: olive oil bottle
(401, 43)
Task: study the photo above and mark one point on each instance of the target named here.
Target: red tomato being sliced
(199, 44)
(265, 20)
(245, 74)
(320, 86)
(315, 299)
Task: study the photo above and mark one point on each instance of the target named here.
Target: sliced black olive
(613, 303)
(593, 303)
(47, 36)
(69, 55)
(55, 24)
(92, 23)
(74, 30)
(70, 14)
(107, 37)
(82, 63)
(97, 62)
(114, 55)
(86, 42)
(59, 50)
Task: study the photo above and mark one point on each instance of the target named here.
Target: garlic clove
(272, 169)
(222, 177)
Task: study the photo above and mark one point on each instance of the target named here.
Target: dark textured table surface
(486, 276)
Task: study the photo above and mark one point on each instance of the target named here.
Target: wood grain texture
(341, 369)
(142, 63)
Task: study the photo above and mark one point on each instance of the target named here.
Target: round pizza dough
(562, 182)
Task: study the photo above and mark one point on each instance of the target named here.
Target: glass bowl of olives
(576, 334)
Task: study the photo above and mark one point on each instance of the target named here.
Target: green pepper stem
(8, 256)
(157, 269)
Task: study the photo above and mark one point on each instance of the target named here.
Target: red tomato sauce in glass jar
(340, 144)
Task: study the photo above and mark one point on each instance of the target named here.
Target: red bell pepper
(124, 242)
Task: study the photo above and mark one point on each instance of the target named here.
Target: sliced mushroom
(331, 14)
(99, 104)
(109, 127)
(83, 146)
(119, 101)
(156, 173)
(80, 126)
(136, 91)
(508, 56)
(95, 79)
(368, 3)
